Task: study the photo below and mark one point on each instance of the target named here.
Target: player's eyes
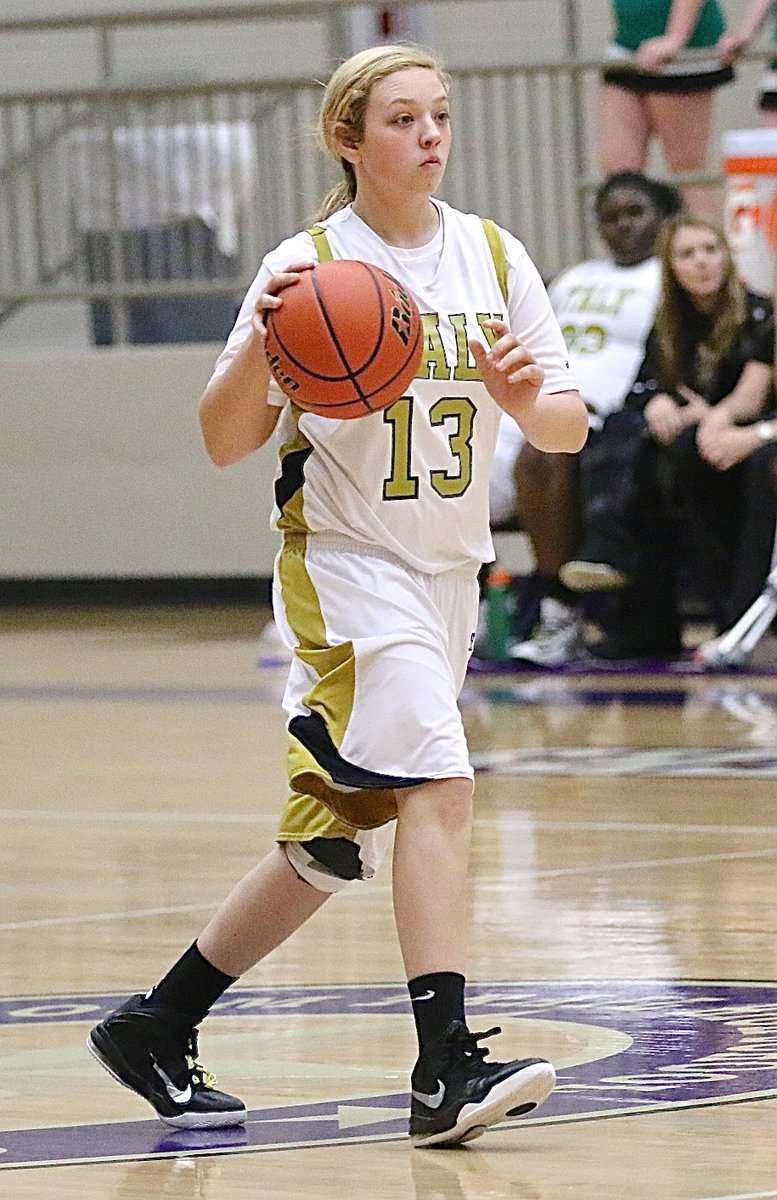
(444, 116)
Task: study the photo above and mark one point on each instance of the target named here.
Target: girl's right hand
(655, 53)
(664, 418)
(269, 299)
(696, 408)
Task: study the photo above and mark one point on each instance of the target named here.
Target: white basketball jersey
(414, 478)
(605, 313)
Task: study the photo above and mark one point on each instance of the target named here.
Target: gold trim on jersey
(493, 237)
(321, 244)
(496, 246)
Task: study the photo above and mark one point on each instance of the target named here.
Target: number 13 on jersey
(456, 416)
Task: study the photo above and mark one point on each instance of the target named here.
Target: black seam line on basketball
(313, 374)
(368, 396)
(350, 376)
(399, 370)
(311, 731)
(363, 396)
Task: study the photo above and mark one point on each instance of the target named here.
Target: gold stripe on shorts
(305, 817)
(331, 699)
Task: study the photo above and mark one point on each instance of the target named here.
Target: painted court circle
(654, 1045)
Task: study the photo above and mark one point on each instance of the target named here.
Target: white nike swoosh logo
(426, 996)
(175, 1094)
(431, 1099)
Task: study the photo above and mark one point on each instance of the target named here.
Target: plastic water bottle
(499, 613)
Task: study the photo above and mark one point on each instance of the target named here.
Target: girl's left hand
(510, 372)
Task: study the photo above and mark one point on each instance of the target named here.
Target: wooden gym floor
(624, 925)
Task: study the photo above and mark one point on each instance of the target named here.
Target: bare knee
(443, 802)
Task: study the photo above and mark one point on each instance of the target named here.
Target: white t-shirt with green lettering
(606, 313)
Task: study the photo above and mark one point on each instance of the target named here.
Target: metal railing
(78, 170)
(126, 196)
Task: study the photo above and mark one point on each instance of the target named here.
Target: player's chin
(431, 174)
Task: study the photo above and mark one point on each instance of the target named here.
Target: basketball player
(385, 525)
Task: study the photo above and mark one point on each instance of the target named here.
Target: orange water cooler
(750, 212)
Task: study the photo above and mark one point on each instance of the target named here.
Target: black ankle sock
(437, 999)
(192, 986)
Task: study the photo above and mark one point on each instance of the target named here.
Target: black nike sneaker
(149, 1050)
(457, 1095)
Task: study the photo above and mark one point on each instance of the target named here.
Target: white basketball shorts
(380, 655)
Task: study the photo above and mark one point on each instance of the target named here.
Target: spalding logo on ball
(346, 341)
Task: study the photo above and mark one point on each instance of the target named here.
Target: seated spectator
(702, 510)
(605, 308)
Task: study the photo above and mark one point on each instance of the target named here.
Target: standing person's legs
(624, 129)
(375, 730)
(683, 123)
(150, 1043)
(434, 824)
(268, 904)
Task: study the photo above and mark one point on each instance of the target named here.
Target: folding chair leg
(733, 647)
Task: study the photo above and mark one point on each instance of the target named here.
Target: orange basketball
(346, 341)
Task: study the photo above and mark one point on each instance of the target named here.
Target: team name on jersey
(436, 362)
(596, 299)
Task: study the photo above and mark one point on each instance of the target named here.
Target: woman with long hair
(703, 517)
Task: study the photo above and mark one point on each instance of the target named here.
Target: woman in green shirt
(646, 93)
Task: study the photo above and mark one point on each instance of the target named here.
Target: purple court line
(689, 1044)
(681, 667)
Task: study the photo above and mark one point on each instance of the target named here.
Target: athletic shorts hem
(645, 82)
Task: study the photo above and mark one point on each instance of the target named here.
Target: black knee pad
(339, 855)
(327, 864)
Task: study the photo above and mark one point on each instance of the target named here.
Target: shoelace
(202, 1076)
(467, 1042)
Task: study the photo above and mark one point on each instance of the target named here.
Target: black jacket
(755, 343)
